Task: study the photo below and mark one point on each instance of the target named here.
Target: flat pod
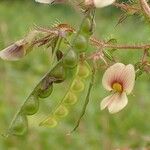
(49, 122)
(77, 86)
(61, 112)
(19, 125)
(31, 106)
(70, 98)
(71, 59)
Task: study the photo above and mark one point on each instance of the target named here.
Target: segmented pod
(77, 86)
(61, 112)
(70, 98)
(71, 59)
(49, 122)
(83, 70)
(31, 106)
(19, 125)
(80, 44)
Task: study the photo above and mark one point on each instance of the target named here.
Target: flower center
(117, 87)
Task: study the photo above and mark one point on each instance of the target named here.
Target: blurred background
(98, 130)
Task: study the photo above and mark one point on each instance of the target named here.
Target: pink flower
(99, 3)
(119, 79)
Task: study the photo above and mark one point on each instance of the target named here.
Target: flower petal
(113, 73)
(128, 78)
(106, 101)
(103, 3)
(50, 1)
(14, 51)
(118, 102)
(44, 1)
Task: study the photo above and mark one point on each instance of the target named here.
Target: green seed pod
(80, 44)
(49, 122)
(71, 59)
(58, 73)
(83, 71)
(31, 106)
(86, 27)
(70, 99)
(46, 92)
(19, 126)
(61, 111)
(77, 86)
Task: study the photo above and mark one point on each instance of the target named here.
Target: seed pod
(19, 126)
(45, 92)
(80, 44)
(71, 59)
(77, 86)
(49, 122)
(61, 111)
(83, 71)
(86, 27)
(31, 106)
(58, 73)
(70, 99)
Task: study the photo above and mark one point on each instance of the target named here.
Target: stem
(56, 48)
(86, 101)
(104, 44)
(145, 7)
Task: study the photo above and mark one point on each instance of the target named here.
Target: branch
(145, 7)
(104, 44)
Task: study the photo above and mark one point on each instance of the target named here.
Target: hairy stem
(145, 7)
